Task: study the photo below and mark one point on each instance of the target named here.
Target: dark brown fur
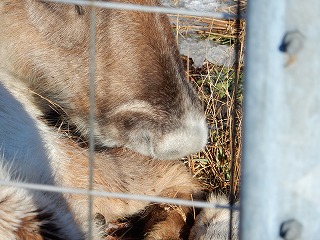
(39, 225)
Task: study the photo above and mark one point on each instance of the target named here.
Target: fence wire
(92, 117)
(90, 191)
(144, 8)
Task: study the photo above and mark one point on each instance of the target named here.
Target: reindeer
(143, 100)
(145, 110)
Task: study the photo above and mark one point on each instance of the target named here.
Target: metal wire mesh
(90, 191)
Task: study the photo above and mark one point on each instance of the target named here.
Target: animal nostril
(142, 141)
(146, 137)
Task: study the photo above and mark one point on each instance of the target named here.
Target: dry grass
(216, 89)
(212, 166)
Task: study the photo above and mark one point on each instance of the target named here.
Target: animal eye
(79, 9)
(58, 7)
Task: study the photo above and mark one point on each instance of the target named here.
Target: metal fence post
(280, 195)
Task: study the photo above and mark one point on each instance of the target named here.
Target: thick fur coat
(145, 110)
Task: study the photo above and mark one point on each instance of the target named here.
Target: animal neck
(24, 138)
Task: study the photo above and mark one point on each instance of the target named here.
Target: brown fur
(121, 170)
(143, 100)
(116, 170)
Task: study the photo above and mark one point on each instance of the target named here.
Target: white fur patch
(189, 138)
(213, 224)
(28, 153)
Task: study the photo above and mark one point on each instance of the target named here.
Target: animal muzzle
(161, 142)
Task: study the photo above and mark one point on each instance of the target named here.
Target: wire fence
(90, 191)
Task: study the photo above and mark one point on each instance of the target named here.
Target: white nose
(189, 138)
(142, 129)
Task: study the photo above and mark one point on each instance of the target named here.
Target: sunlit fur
(213, 223)
(32, 215)
(26, 154)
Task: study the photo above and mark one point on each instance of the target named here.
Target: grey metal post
(280, 191)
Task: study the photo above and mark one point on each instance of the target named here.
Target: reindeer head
(143, 100)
